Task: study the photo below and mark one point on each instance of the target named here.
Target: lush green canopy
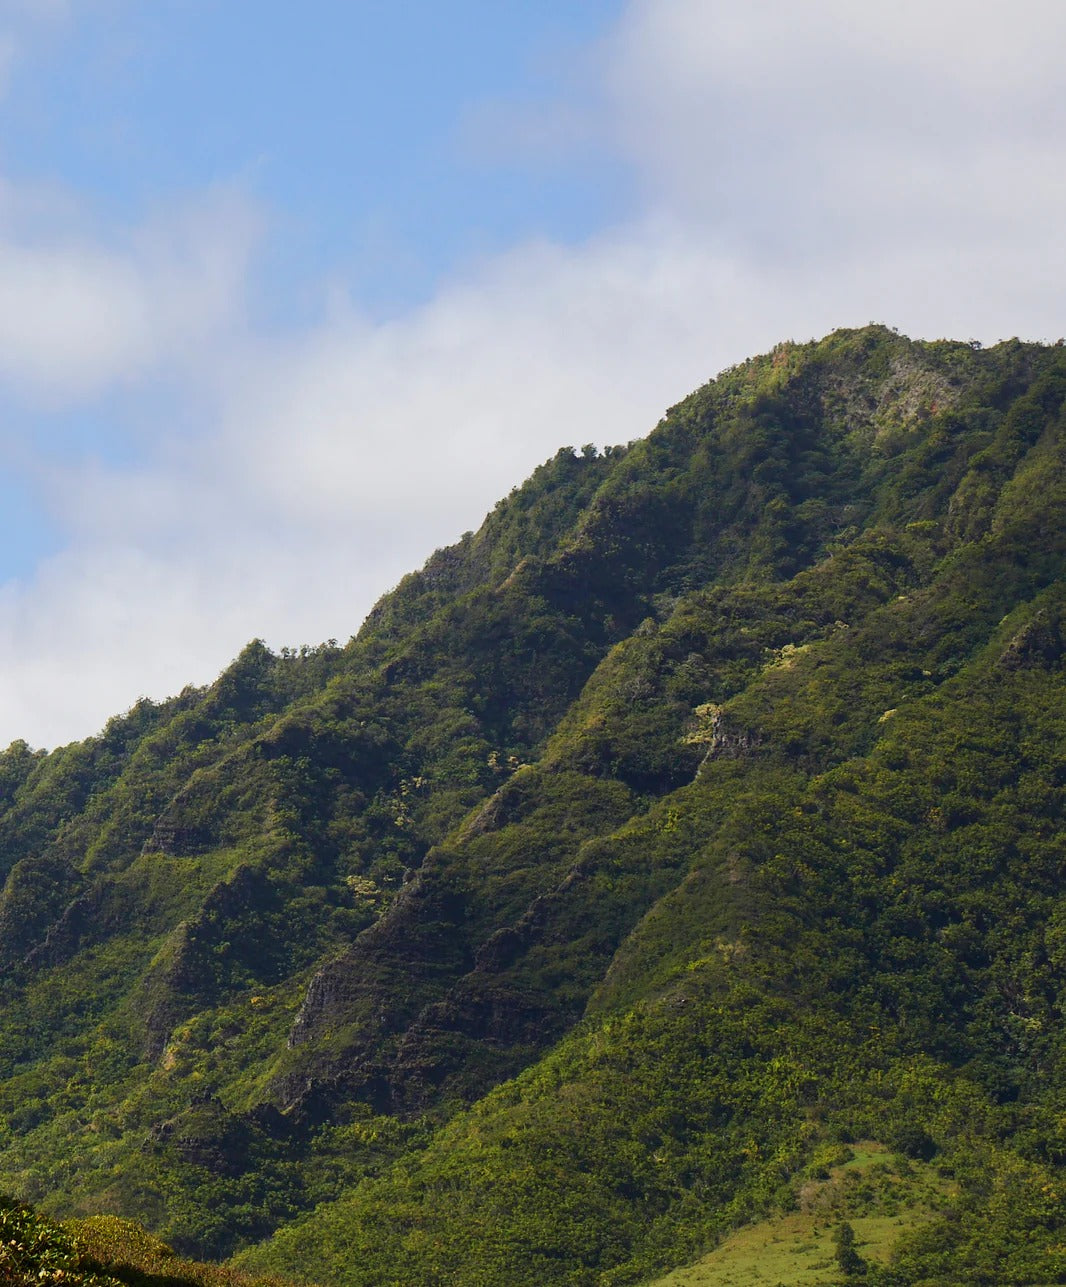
(697, 817)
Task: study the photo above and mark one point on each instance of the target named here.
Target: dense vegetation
(698, 816)
(100, 1251)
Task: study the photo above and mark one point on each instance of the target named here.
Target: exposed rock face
(181, 841)
(83, 916)
(427, 999)
(1038, 643)
(481, 1032)
(713, 731)
(411, 942)
(206, 1135)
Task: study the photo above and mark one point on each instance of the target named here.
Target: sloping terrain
(101, 1251)
(701, 811)
(879, 1196)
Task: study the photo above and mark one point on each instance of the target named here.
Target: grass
(879, 1194)
(120, 1249)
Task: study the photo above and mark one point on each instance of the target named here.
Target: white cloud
(78, 316)
(101, 625)
(804, 167)
(439, 412)
(793, 128)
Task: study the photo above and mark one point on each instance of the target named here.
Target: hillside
(698, 816)
(99, 1251)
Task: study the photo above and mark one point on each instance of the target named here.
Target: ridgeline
(684, 842)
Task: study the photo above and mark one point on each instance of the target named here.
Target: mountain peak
(693, 819)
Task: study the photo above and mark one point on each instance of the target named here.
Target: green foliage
(102, 1251)
(700, 812)
(850, 1263)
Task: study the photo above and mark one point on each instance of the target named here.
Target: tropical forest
(665, 885)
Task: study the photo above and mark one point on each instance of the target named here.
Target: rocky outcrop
(177, 839)
(1038, 644)
(208, 1136)
(720, 740)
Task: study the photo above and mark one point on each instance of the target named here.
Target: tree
(849, 1260)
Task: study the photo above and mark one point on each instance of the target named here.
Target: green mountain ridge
(697, 815)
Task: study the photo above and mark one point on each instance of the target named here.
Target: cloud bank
(796, 168)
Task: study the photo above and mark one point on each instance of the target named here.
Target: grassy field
(878, 1193)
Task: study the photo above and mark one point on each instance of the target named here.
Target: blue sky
(289, 295)
(348, 121)
(362, 132)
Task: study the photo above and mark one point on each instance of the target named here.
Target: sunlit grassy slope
(878, 1193)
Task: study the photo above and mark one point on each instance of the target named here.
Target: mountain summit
(695, 820)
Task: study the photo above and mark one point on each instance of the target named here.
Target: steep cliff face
(721, 727)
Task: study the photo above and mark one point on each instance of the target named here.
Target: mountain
(685, 836)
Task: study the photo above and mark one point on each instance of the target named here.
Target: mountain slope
(699, 810)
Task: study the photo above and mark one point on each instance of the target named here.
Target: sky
(290, 295)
